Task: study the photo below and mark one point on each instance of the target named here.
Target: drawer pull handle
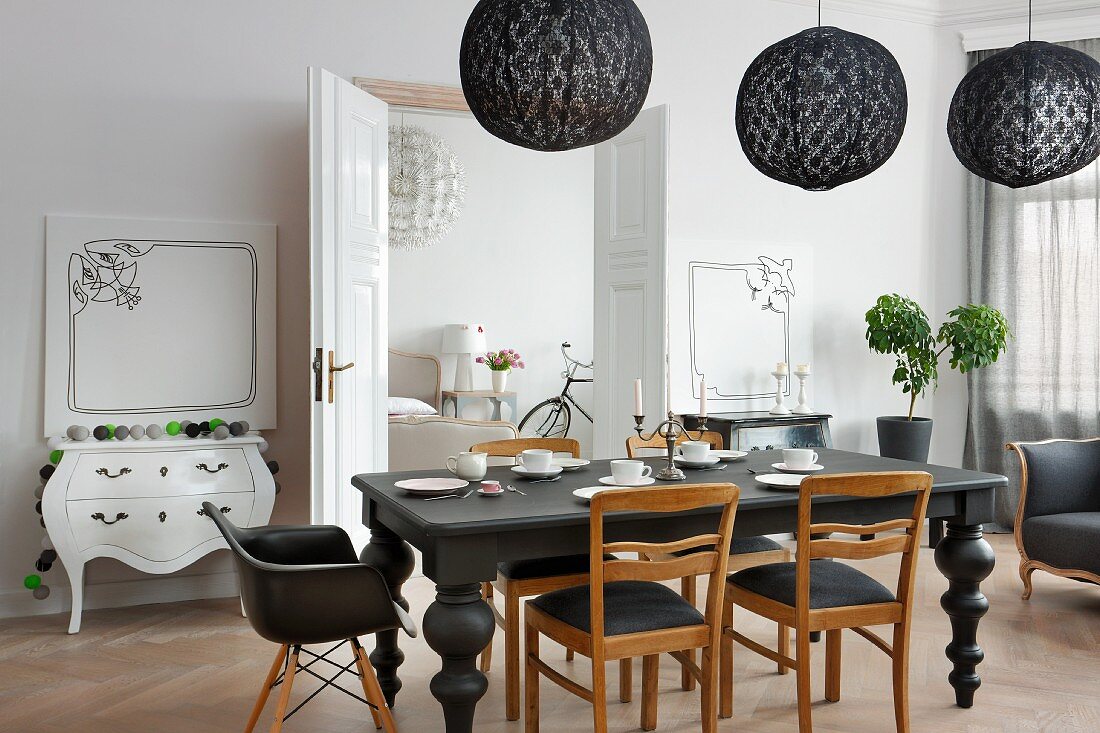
(118, 517)
(163, 471)
(204, 467)
(162, 516)
(223, 510)
(107, 472)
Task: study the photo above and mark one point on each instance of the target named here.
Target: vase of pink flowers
(500, 364)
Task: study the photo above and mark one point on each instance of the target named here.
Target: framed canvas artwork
(151, 321)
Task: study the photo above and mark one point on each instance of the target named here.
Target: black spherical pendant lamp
(1028, 115)
(822, 108)
(555, 75)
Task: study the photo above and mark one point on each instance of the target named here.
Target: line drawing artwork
(105, 273)
(759, 297)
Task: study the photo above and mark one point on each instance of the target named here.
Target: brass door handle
(332, 370)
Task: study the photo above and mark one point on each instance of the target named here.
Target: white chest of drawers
(140, 502)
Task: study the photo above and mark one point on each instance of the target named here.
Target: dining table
(461, 541)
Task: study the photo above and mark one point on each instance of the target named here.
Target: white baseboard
(119, 594)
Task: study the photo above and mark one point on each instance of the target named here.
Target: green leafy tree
(898, 326)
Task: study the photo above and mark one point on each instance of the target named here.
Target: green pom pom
(32, 581)
(216, 422)
(110, 430)
(55, 456)
(172, 428)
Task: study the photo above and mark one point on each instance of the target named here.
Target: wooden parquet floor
(196, 667)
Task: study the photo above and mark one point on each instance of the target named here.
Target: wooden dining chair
(745, 552)
(625, 612)
(525, 578)
(812, 594)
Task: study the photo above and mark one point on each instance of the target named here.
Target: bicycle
(551, 418)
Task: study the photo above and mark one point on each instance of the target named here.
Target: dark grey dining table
(462, 540)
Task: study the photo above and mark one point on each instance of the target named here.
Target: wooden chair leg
(265, 691)
(709, 702)
(284, 695)
(1025, 575)
(531, 681)
(487, 652)
(364, 670)
(901, 677)
(802, 677)
(599, 696)
(511, 654)
(374, 693)
(725, 681)
(833, 639)
(650, 670)
(784, 646)
(626, 680)
(570, 655)
(687, 590)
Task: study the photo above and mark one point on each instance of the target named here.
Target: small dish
(781, 480)
(813, 468)
(528, 473)
(588, 493)
(431, 486)
(571, 464)
(483, 492)
(729, 455)
(610, 481)
(709, 461)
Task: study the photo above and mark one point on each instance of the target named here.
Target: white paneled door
(630, 298)
(348, 274)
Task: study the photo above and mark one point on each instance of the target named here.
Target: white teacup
(799, 458)
(468, 466)
(537, 460)
(629, 472)
(695, 451)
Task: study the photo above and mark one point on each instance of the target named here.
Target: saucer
(781, 480)
(710, 461)
(589, 492)
(483, 492)
(527, 473)
(610, 481)
(812, 468)
(571, 464)
(431, 486)
(729, 455)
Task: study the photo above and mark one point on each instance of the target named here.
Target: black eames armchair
(305, 585)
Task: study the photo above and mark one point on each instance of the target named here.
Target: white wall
(519, 261)
(155, 108)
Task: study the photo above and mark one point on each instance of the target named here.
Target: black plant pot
(899, 437)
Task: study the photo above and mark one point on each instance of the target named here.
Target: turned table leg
(394, 559)
(965, 559)
(458, 626)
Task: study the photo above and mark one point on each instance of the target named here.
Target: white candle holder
(802, 408)
(780, 408)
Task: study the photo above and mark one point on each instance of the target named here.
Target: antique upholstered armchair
(1058, 518)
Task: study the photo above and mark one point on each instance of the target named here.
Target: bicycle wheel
(548, 419)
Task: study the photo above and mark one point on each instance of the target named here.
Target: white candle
(781, 367)
(638, 398)
(802, 369)
(703, 397)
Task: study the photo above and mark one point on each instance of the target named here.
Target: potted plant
(976, 336)
(500, 364)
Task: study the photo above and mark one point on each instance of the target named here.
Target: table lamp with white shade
(464, 339)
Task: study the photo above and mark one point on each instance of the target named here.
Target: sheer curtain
(1034, 253)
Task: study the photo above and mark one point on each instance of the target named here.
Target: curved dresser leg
(76, 579)
(457, 626)
(965, 559)
(1025, 575)
(394, 559)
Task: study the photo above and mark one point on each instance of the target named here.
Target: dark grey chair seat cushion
(832, 584)
(630, 606)
(546, 567)
(1066, 541)
(741, 546)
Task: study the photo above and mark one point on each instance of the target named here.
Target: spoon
(546, 480)
(513, 488)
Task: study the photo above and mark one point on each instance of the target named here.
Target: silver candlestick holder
(671, 430)
(780, 408)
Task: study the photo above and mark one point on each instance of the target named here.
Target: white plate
(591, 491)
(527, 473)
(483, 492)
(813, 468)
(571, 464)
(781, 480)
(729, 455)
(710, 461)
(610, 481)
(431, 486)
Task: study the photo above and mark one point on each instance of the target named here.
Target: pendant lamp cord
(819, 13)
(1029, 5)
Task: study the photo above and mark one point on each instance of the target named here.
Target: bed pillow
(410, 406)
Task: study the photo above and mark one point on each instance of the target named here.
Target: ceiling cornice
(948, 12)
(926, 12)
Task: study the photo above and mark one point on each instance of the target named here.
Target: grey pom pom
(80, 433)
(38, 492)
(122, 432)
(245, 425)
(42, 592)
(71, 431)
(154, 431)
(235, 428)
(46, 544)
(184, 424)
(221, 432)
(137, 432)
(278, 487)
